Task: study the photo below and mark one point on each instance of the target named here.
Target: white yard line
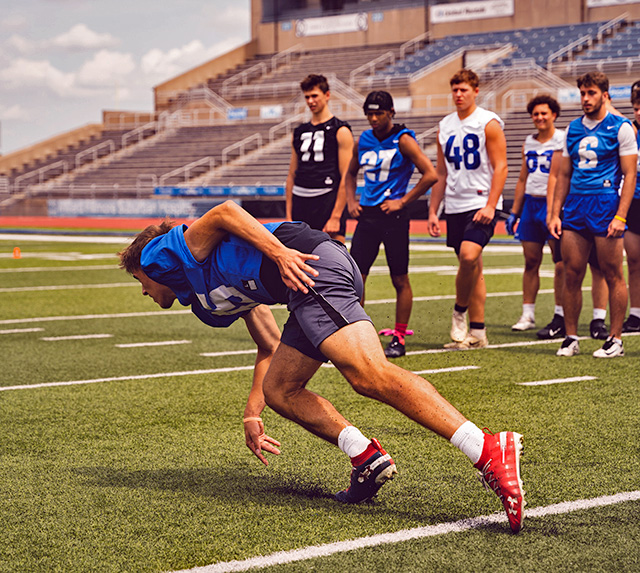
(442, 370)
(557, 381)
(93, 316)
(20, 330)
(69, 287)
(319, 551)
(161, 343)
(75, 337)
(57, 269)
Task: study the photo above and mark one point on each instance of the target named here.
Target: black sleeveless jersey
(317, 149)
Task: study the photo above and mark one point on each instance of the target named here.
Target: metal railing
(241, 146)
(386, 59)
(286, 126)
(40, 173)
(94, 151)
(186, 169)
(139, 132)
(411, 44)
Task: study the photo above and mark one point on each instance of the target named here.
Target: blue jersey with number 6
(595, 156)
(386, 171)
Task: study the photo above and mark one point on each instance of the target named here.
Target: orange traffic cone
(16, 253)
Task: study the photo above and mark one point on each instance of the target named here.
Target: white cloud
(16, 112)
(105, 69)
(80, 37)
(175, 61)
(14, 22)
(23, 73)
(20, 44)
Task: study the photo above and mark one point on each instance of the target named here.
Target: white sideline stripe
(125, 378)
(75, 337)
(453, 296)
(19, 330)
(115, 240)
(56, 269)
(231, 353)
(450, 369)
(557, 381)
(92, 316)
(317, 551)
(162, 343)
(68, 287)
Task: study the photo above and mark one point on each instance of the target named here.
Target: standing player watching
(541, 154)
(541, 157)
(319, 159)
(472, 170)
(387, 153)
(600, 149)
(226, 263)
(632, 236)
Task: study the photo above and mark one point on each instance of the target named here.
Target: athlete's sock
(400, 331)
(635, 311)
(459, 308)
(529, 309)
(599, 313)
(352, 442)
(559, 311)
(469, 439)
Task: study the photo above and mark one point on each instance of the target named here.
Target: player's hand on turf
(433, 226)
(295, 272)
(391, 206)
(257, 441)
(484, 216)
(511, 224)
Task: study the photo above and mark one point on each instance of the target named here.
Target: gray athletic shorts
(336, 303)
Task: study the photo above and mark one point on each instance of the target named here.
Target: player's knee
(371, 382)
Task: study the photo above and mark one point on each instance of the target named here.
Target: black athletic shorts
(460, 227)
(633, 217)
(315, 211)
(375, 227)
(336, 302)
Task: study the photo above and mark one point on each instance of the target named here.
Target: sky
(64, 61)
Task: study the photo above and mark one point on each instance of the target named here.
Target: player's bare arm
(628, 165)
(437, 194)
(497, 151)
(288, 186)
(207, 232)
(345, 151)
(264, 331)
(411, 150)
(518, 197)
(554, 169)
(351, 183)
(560, 193)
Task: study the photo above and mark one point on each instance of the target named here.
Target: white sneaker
(469, 343)
(610, 349)
(458, 326)
(525, 322)
(570, 347)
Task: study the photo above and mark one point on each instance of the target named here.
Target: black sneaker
(555, 329)
(368, 477)
(395, 348)
(598, 329)
(632, 324)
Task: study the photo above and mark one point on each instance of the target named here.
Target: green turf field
(131, 458)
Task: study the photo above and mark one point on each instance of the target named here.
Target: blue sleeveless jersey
(221, 289)
(595, 156)
(386, 171)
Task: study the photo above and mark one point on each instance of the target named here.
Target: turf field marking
(93, 316)
(450, 369)
(230, 353)
(318, 551)
(125, 378)
(20, 330)
(557, 381)
(74, 337)
(56, 269)
(68, 287)
(161, 343)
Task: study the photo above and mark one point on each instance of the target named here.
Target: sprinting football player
(226, 263)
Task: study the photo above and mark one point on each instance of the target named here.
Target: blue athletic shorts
(589, 215)
(533, 220)
(336, 303)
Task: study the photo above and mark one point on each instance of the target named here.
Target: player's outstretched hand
(257, 441)
(295, 272)
(511, 224)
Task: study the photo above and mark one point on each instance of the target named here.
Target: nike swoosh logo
(611, 126)
(553, 332)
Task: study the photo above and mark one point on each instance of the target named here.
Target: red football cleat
(499, 467)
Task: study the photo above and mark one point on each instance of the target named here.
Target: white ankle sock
(352, 442)
(599, 313)
(469, 439)
(558, 310)
(529, 309)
